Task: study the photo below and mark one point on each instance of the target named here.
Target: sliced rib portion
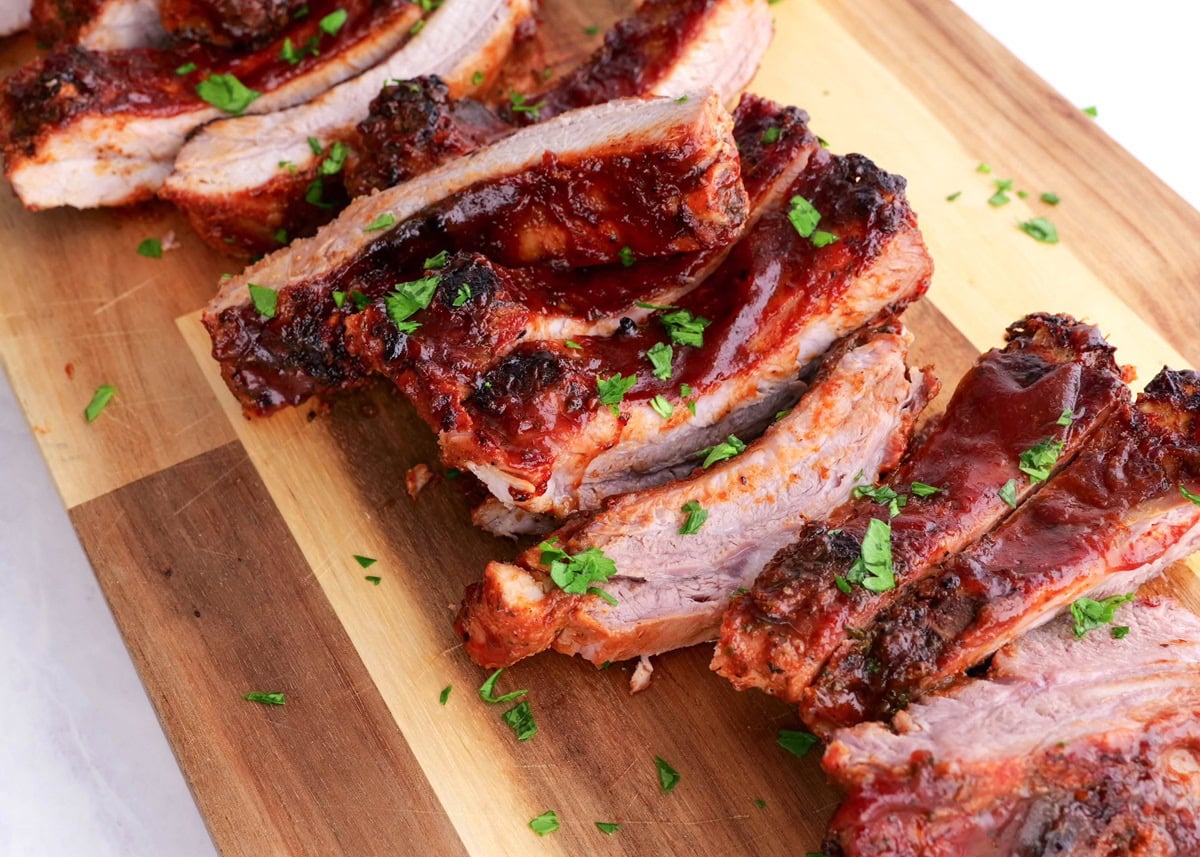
(14, 17)
(668, 48)
(778, 636)
(1112, 519)
(245, 24)
(519, 201)
(672, 588)
(99, 25)
(533, 423)
(228, 178)
(1074, 747)
(88, 129)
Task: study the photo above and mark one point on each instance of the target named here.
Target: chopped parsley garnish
(487, 689)
(803, 217)
(383, 221)
(520, 718)
(314, 194)
(998, 199)
(333, 22)
(1195, 498)
(365, 561)
(575, 574)
(1050, 198)
(281, 236)
(417, 27)
(265, 300)
(151, 248)
(1120, 632)
(591, 31)
(437, 261)
(545, 823)
(408, 299)
(104, 394)
(645, 305)
(226, 92)
(1091, 111)
(1008, 493)
(335, 160)
(795, 742)
(685, 328)
(461, 296)
(612, 390)
(1066, 417)
(821, 238)
(983, 168)
(571, 343)
(760, 803)
(292, 55)
(873, 569)
(315, 146)
(186, 68)
(726, 449)
(477, 78)
(339, 298)
(686, 392)
(662, 406)
(444, 696)
(696, 516)
(359, 300)
(668, 777)
(272, 698)
(608, 828)
(1040, 229)
(883, 495)
(771, 135)
(954, 196)
(453, 473)
(921, 489)
(519, 105)
(1090, 615)
(626, 256)
(288, 165)
(373, 579)
(1038, 461)
(660, 356)
(781, 414)
(1023, 194)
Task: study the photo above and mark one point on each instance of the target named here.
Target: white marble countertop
(85, 770)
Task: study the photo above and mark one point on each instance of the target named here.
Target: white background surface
(84, 768)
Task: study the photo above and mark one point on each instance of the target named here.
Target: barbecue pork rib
(660, 176)
(671, 588)
(99, 25)
(1073, 747)
(243, 24)
(529, 421)
(778, 636)
(228, 179)
(1110, 520)
(667, 47)
(14, 17)
(87, 129)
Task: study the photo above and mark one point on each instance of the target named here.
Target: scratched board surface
(225, 546)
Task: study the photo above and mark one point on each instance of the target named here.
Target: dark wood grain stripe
(215, 599)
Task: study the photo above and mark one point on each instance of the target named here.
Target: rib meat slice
(99, 25)
(778, 636)
(14, 17)
(671, 588)
(1112, 519)
(245, 24)
(1069, 747)
(530, 423)
(519, 201)
(228, 179)
(88, 129)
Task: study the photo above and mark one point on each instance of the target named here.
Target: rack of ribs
(1112, 519)
(1067, 746)
(805, 604)
(229, 183)
(672, 584)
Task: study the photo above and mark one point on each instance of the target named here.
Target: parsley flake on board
(662, 406)
(365, 561)
(104, 394)
(920, 489)
(520, 720)
(1090, 615)
(265, 300)
(796, 742)
(272, 698)
(333, 22)
(226, 92)
(1050, 198)
(696, 516)
(591, 31)
(444, 696)
(575, 574)
(683, 327)
(760, 803)
(626, 256)
(668, 777)
(612, 390)
(1008, 493)
(1038, 461)
(151, 248)
(1039, 229)
(409, 299)
(545, 823)
(1091, 111)
(726, 449)
(660, 356)
(954, 196)
(873, 569)
(383, 221)
(608, 828)
(486, 690)
(373, 579)
(983, 168)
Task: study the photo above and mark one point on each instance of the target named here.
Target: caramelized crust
(60, 20)
(244, 24)
(778, 636)
(1113, 518)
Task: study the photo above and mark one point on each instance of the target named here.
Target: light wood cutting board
(225, 547)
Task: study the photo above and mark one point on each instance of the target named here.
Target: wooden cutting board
(225, 546)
